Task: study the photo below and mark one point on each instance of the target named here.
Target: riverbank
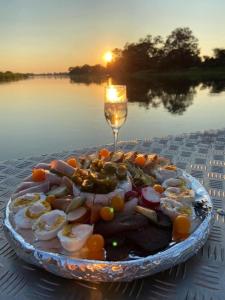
(192, 74)
(10, 76)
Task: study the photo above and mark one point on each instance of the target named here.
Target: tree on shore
(179, 50)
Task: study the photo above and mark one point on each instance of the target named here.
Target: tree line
(178, 51)
(10, 76)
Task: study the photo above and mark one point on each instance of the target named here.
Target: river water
(44, 115)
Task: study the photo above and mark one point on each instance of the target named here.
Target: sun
(108, 56)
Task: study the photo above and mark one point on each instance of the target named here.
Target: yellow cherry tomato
(181, 227)
(104, 153)
(117, 203)
(107, 213)
(95, 242)
(140, 160)
(158, 188)
(38, 175)
(72, 162)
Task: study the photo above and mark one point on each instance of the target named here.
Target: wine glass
(115, 108)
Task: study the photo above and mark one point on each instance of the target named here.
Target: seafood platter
(108, 216)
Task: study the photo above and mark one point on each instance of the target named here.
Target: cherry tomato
(38, 175)
(140, 160)
(107, 213)
(117, 203)
(104, 153)
(158, 188)
(181, 227)
(95, 242)
(72, 162)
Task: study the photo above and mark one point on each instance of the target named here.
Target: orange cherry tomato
(107, 213)
(38, 175)
(140, 160)
(158, 188)
(72, 162)
(181, 227)
(96, 255)
(117, 203)
(104, 153)
(95, 242)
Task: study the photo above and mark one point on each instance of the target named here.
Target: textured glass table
(201, 277)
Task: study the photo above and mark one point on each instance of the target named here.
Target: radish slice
(150, 197)
(77, 215)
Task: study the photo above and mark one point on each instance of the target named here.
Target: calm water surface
(44, 115)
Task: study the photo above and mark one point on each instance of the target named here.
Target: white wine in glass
(115, 108)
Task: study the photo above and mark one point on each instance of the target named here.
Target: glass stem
(115, 134)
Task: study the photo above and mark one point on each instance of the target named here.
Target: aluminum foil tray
(107, 271)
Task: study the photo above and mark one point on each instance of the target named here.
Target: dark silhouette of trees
(96, 70)
(219, 54)
(138, 56)
(180, 50)
(10, 76)
(218, 59)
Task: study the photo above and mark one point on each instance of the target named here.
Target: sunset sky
(52, 35)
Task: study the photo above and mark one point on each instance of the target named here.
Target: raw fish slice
(62, 167)
(53, 178)
(41, 188)
(130, 205)
(43, 166)
(69, 184)
(26, 185)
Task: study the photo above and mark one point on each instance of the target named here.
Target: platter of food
(108, 216)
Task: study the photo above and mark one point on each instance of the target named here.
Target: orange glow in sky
(108, 56)
(55, 35)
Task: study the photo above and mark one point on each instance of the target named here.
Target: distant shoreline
(10, 76)
(191, 74)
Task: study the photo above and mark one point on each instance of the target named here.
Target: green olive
(87, 185)
(121, 172)
(110, 168)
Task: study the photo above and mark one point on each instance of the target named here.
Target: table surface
(201, 277)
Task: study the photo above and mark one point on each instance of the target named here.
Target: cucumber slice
(58, 192)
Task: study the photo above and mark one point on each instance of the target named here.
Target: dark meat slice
(121, 223)
(117, 248)
(163, 220)
(150, 239)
